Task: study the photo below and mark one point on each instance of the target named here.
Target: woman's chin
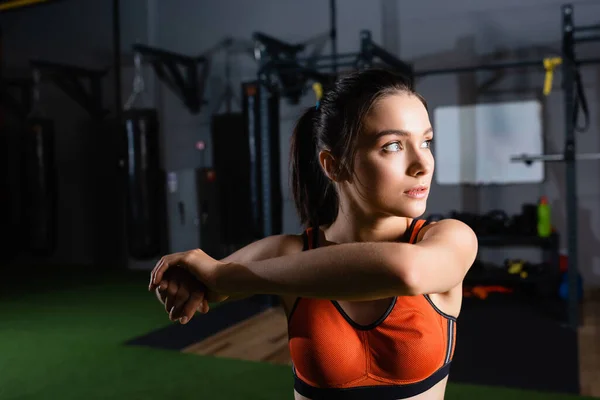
(414, 210)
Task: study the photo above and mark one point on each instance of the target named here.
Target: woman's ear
(328, 164)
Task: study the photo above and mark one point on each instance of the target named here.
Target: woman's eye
(392, 147)
(427, 144)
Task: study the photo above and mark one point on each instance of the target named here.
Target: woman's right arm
(269, 247)
(176, 291)
(264, 249)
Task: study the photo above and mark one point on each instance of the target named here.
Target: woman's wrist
(228, 280)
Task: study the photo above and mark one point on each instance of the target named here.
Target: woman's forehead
(402, 112)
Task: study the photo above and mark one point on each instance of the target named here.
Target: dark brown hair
(334, 126)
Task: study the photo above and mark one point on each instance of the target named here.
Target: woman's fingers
(193, 304)
(188, 261)
(181, 298)
(171, 294)
(161, 267)
(152, 285)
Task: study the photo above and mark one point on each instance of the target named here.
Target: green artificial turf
(62, 336)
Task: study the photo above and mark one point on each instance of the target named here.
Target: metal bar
(391, 60)
(250, 104)
(116, 36)
(176, 79)
(587, 28)
(333, 36)
(497, 66)
(275, 45)
(192, 89)
(75, 90)
(287, 67)
(265, 156)
(153, 53)
(346, 64)
(67, 69)
(568, 69)
(23, 103)
(529, 158)
(481, 67)
(366, 49)
(585, 39)
(588, 61)
(328, 57)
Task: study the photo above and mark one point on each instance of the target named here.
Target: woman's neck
(347, 229)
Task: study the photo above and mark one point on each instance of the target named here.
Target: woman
(372, 293)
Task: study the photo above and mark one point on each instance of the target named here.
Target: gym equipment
(39, 196)
(280, 68)
(145, 184)
(261, 116)
(16, 95)
(574, 99)
(189, 87)
(233, 169)
(147, 221)
(82, 85)
(39, 182)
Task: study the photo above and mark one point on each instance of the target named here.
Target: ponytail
(315, 198)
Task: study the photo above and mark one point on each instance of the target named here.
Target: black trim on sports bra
(387, 392)
(372, 325)
(443, 314)
(409, 231)
(316, 231)
(294, 306)
(305, 246)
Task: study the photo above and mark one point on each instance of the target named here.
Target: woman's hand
(184, 282)
(182, 295)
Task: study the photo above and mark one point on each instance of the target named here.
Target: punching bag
(145, 184)
(11, 235)
(39, 187)
(9, 213)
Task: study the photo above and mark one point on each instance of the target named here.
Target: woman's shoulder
(290, 243)
(448, 226)
(285, 244)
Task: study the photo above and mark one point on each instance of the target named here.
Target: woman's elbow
(407, 276)
(411, 282)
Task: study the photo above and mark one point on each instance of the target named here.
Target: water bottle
(544, 225)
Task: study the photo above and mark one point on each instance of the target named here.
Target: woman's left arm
(444, 256)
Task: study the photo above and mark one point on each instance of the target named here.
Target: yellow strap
(550, 64)
(318, 89)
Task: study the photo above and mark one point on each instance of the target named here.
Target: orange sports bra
(406, 352)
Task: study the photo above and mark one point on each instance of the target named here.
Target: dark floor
(515, 342)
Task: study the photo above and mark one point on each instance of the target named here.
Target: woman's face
(394, 163)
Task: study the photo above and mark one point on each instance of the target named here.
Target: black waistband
(388, 392)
